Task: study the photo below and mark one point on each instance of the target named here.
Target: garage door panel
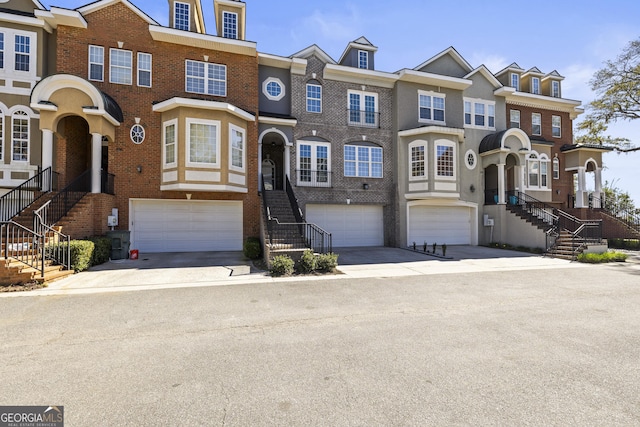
(439, 224)
(350, 225)
(186, 226)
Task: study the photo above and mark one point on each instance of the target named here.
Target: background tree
(618, 201)
(617, 88)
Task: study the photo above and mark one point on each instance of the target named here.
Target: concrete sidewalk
(198, 269)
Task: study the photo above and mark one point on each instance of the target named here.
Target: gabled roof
(362, 43)
(38, 5)
(451, 52)
(533, 71)
(512, 67)
(101, 4)
(554, 75)
(487, 75)
(314, 49)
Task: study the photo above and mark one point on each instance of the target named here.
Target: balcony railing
(309, 178)
(367, 119)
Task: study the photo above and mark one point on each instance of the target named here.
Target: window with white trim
(555, 89)
(537, 171)
(120, 66)
(479, 114)
(23, 52)
(170, 143)
(17, 52)
(314, 164)
(236, 148)
(515, 81)
(229, 25)
(144, 69)
(20, 136)
(362, 161)
(363, 108)
(363, 59)
(514, 119)
(556, 126)
(273, 89)
(417, 160)
(314, 98)
(536, 124)
(205, 78)
(96, 63)
(556, 168)
(137, 134)
(181, 16)
(1, 50)
(445, 163)
(431, 106)
(203, 138)
(471, 159)
(535, 85)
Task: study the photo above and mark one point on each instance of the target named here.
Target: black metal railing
(107, 183)
(297, 235)
(16, 200)
(533, 207)
(56, 247)
(311, 178)
(67, 198)
(297, 212)
(631, 218)
(363, 118)
(491, 197)
(23, 245)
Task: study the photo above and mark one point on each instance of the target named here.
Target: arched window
(538, 171)
(20, 136)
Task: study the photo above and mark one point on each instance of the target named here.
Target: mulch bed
(21, 287)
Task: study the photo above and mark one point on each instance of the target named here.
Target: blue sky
(572, 37)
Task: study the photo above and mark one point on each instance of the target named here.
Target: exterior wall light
(365, 186)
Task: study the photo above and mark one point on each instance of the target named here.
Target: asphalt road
(546, 347)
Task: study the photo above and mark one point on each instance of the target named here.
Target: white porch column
(287, 161)
(47, 148)
(501, 184)
(260, 166)
(96, 162)
(47, 155)
(598, 191)
(582, 189)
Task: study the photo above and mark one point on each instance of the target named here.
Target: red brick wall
(89, 217)
(117, 23)
(564, 186)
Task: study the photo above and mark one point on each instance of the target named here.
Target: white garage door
(186, 225)
(439, 224)
(349, 225)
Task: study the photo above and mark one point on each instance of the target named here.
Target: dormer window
(535, 85)
(515, 81)
(555, 89)
(182, 16)
(230, 25)
(363, 59)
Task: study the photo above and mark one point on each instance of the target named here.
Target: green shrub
(282, 265)
(629, 244)
(252, 248)
(81, 254)
(308, 262)
(327, 263)
(612, 256)
(102, 250)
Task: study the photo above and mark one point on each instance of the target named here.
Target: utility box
(120, 242)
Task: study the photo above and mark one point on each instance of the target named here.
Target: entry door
(269, 174)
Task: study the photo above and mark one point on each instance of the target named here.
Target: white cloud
(576, 84)
(342, 26)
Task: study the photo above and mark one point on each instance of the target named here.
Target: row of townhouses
(194, 137)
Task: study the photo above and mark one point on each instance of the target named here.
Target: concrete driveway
(197, 269)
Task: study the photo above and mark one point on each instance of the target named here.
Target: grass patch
(611, 256)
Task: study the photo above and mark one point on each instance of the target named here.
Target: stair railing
(18, 199)
(56, 247)
(533, 207)
(629, 217)
(297, 212)
(67, 198)
(23, 245)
